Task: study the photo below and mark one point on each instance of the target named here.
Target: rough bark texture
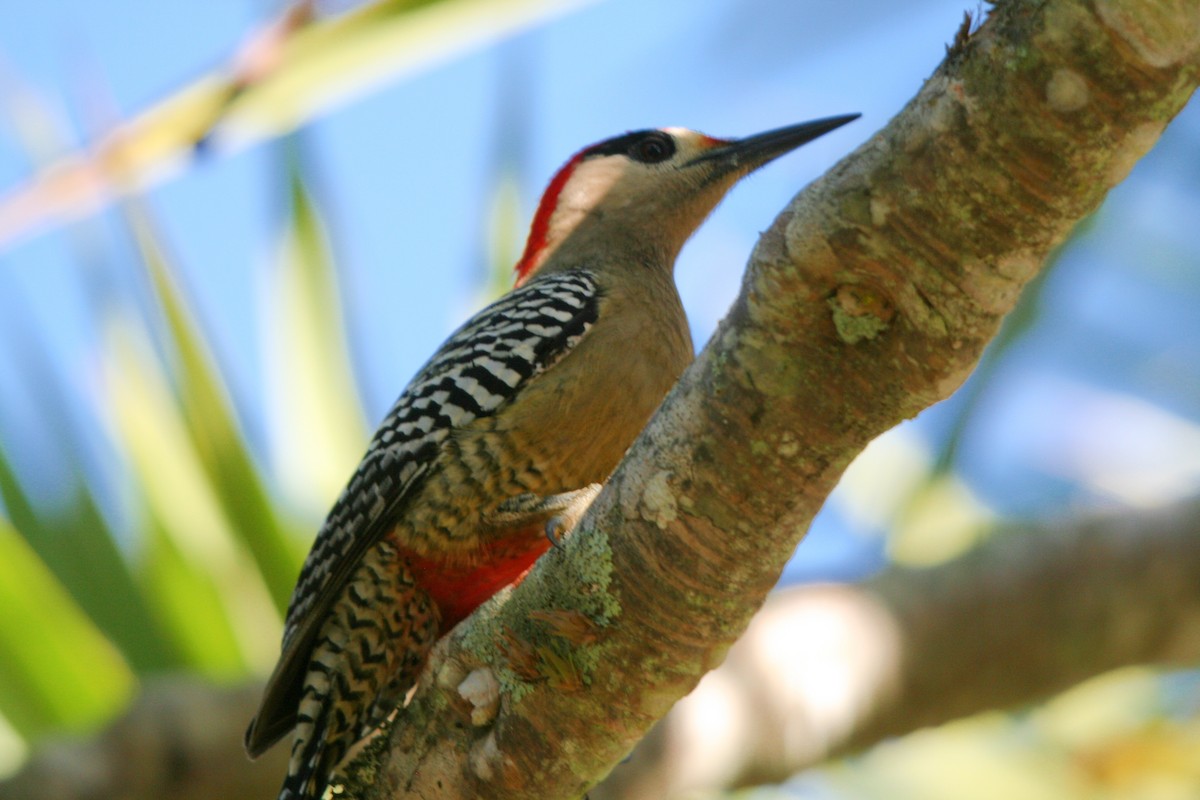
(871, 297)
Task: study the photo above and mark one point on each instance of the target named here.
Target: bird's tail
(313, 760)
(367, 656)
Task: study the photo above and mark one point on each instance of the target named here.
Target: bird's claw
(556, 529)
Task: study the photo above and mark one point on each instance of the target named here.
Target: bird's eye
(653, 148)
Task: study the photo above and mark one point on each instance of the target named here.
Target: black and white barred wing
(478, 370)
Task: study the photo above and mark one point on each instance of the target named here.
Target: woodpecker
(504, 434)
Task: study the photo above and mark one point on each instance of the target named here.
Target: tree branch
(827, 670)
(869, 298)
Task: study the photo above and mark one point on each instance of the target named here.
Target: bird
(503, 438)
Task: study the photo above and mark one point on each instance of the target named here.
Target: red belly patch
(460, 590)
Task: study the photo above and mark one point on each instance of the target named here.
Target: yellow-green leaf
(57, 671)
(311, 386)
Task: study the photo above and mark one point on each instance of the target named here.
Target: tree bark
(869, 298)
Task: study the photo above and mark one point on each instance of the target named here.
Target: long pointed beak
(745, 155)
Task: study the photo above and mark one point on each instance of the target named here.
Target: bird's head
(645, 192)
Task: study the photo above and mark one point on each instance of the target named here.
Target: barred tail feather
(367, 655)
(309, 769)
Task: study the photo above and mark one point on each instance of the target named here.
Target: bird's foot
(556, 513)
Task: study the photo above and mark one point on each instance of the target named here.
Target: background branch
(825, 670)
(181, 740)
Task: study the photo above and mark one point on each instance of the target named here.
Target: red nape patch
(460, 590)
(540, 226)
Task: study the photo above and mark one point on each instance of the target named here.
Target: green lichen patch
(859, 313)
(511, 633)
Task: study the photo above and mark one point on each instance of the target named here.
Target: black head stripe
(648, 147)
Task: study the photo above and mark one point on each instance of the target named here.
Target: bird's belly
(458, 589)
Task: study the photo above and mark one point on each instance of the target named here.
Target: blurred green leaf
(77, 546)
(503, 246)
(312, 388)
(940, 521)
(203, 583)
(57, 671)
(191, 607)
(213, 432)
(101, 581)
